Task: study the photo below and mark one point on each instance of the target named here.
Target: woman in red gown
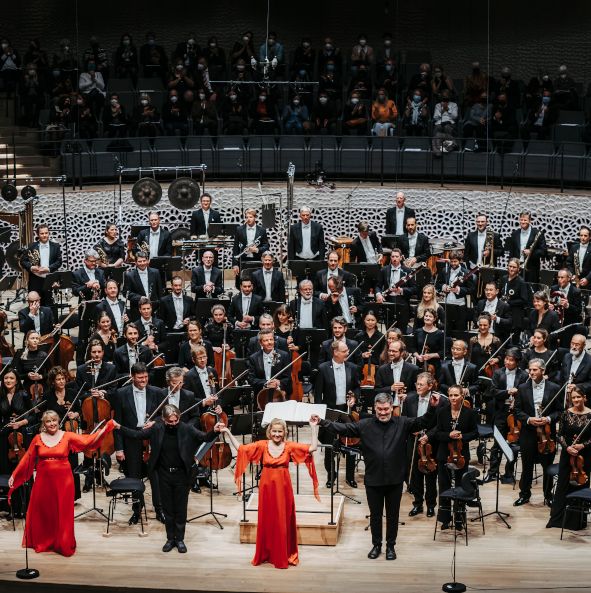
(277, 538)
(50, 518)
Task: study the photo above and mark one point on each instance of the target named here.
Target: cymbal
(146, 192)
(9, 192)
(13, 253)
(180, 234)
(28, 192)
(184, 193)
(444, 244)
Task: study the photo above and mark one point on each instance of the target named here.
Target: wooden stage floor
(526, 557)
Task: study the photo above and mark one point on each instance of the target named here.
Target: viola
(455, 458)
(16, 450)
(354, 416)
(578, 476)
(426, 463)
(368, 374)
(268, 395)
(514, 426)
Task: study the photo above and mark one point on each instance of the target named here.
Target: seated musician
(266, 322)
(308, 310)
(152, 330)
(245, 307)
(217, 330)
(113, 306)
(499, 311)
(343, 302)
(268, 362)
(336, 378)
(541, 316)
(207, 280)
(482, 346)
(129, 353)
(397, 216)
(430, 343)
(201, 218)
(156, 241)
(366, 247)
(539, 349)
(96, 372)
(306, 238)
(386, 290)
(396, 376)
(515, 293)
(372, 339)
(34, 316)
(339, 334)
(415, 245)
(579, 258)
(534, 398)
(105, 333)
(429, 301)
(458, 371)
(88, 282)
(250, 241)
(195, 340)
(29, 359)
(322, 276)
(504, 386)
(392, 335)
(110, 248)
(482, 247)
(567, 301)
(176, 307)
(142, 281)
(527, 244)
(576, 366)
(450, 282)
(268, 282)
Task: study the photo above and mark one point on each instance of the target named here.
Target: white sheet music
(292, 411)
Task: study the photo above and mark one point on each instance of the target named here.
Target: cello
(272, 394)
(219, 455)
(297, 389)
(222, 359)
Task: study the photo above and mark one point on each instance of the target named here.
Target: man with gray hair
(88, 281)
(268, 282)
(306, 238)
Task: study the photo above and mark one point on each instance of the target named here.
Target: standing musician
(96, 372)
(40, 258)
(579, 258)
(429, 301)
(482, 346)
(198, 382)
(88, 282)
(415, 245)
(335, 381)
(172, 450)
(250, 241)
(532, 398)
(370, 335)
(110, 248)
(322, 276)
(133, 405)
(396, 376)
(157, 238)
(268, 282)
(459, 371)
(203, 217)
(482, 246)
(504, 386)
(456, 425)
(152, 330)
(456, 306)
(142, 281)
(339, 334)
(567, 301)
(430, 343)
(266, 322)
(245, 307)
(541, 316)
(306, 238)
(308, 310)
(515, 293)
(389, 276)
(383, 441)
(207, 280)
(498, 309)
(113, 306)
(217, 327)
(30, 358)
(527, 244)
(576, 366)
(176, 307)
(130, 353)
(342, 301)
(366, 246)
(35, 317)
(397, 216)
(266, 363)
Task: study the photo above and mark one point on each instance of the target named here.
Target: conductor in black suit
(157, 238)
(383, 442)
(306, 238)
(397, 216)
(202, 218)
(268, 282)
(35, 317)
(172, 448)
(527, 244)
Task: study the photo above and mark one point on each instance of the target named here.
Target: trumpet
(255, 243)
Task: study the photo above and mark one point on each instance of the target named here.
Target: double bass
(219, 455)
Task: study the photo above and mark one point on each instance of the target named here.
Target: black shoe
(169, 545)
(134, 519)
(375, 552)
(459, 525)
(87, 485)
(352, 483)
(490, 478)
(329, 483)
(480, 452)
(507, 480)
(430, 511)
(521, 500)
(180, 546)
(445, 525)
(196, 488)
(390, 553)
(160, 515)
(416, 510)
(209, 484)
(548, 501)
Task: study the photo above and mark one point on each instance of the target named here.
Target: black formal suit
(241, 242)
(186, 354)
(167, 312)
(549, 322)
(391, 219)
(186, 398)
(235, 312)
(164, 241)
(26, 323)
(106, 307)
(36, 282)
(512, 245)
(401, 313)
(80, 278)
(517, 294)
(321, 280)
(179, 442)
(471, 249)
(134, 289)
(456, 314)
(256, 371)
(254, 345)
(158, 330)
(447, 377)
(198, 282)
(193, 383)
(584, 269)
(524, 410)
(198, 221)
(107, 372)
(357, 252)
(384, 452)
(422, 248)
(326, 352)
(502, 324)
(385, 377)
(354, 298)
(277, 285)
(582, 377)
(572, 313)
(121, 358)
(295, 242)
(318, 312)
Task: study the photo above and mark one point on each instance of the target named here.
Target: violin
(426, 463)
(220, 454)
(546, 445)
(455, 459)
(354, 416)
(578, 476)
(16, 450)
(70, 424)
(514, 426)
(368, 373)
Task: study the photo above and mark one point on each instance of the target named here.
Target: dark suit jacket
(55, 256)
(317, 244)
(585, 265)
(503, 312)
(277, 285)
(582, 377)
(325, 391)
(335, 310)
(471, 248)
(125, 412)
(107, 372)
(159, 332)
(320, 280)
(391, 219)
(198, 222)
(326, 352)
(104, 306)
(121, 358)
(26, 323)
(357, 253)
(447, 377)
(408, 290)
(240, 244)
(318, 311)
(572, 314)
(422, 248)
(467, 425)
(192, 383)
(524, 408)
(518, 301)
(167, 312)
(498, 390)
(254, 346)
(235, 312)
(466, 287)
(512, 246)
(256, 375)
(80, 278)
(134, 289)
(198, 282)
(550, 321)
(186, 400)
(385, 377)
(164, 241)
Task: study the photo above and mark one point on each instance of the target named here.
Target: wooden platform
(313, 520)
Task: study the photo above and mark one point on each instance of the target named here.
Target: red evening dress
(277, 538)
(50, 518)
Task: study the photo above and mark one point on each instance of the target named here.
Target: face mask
(144, 102)
(240, 67)
(174, 99)
(354, 101)
(545, 100)
(296, 102)
(233, 97)
(262, 98)
(201, 96)
(417, 98)
(323, 100)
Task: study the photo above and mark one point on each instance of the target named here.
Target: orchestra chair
(305, 376)
(579, 502)
(4, 495)
(485, 432)
(460, 498)
(125, 489)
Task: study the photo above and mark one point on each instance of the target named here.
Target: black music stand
(271, 306)
(243, 425)
(306, 268)
(174, 338)
(114, 274)
(241, 339)
(203, 307)
(392, 241)
(158, 375)
(310, 339)
(252, 265)
(135, 231)
(166, 264)
(367, 274)
(63, 279)
(222, 229)
(387, 312)
(86, 319)
(238, 366)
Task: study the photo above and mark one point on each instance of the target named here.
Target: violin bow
(292, 363)
(494, 354)
(23, 414)
(75, 400)
(57, 343)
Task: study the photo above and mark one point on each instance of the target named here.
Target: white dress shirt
(340, 380)
(582, 253)
(394, 275)
(458, 367)
(306, 319)
(37, 321)
(143, 274)
(397, 370)
(90, 273)
(538, 393)
(205, 219)
(306, 252)
(490, 307)
(370, 254)
(423, 405)
(576, 363)
(267, 277)
(481, 240)
(268, 364)
(139, 397)
(400, 221)
(178, 303)
(523, 239)
(344, 302)
(204, 378)
(132, 355)
(412, 244)
(116, 310)
(174, 397)
(451, 297)
(154, 241)
(251, 232)
(43, 256)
